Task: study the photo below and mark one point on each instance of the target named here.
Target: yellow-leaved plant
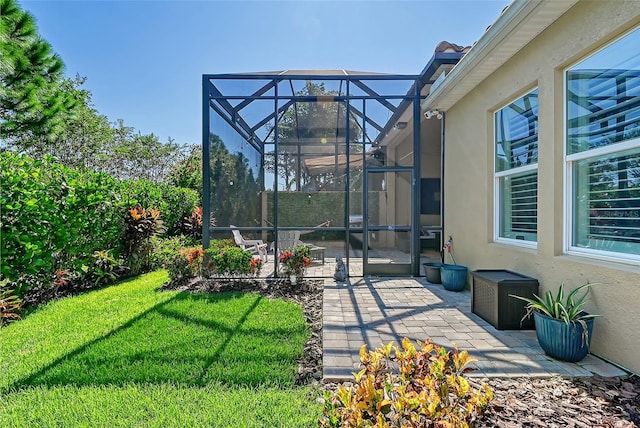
(408, 387)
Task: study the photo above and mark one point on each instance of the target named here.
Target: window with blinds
(603, 150)
(523, 203)
(516, 170)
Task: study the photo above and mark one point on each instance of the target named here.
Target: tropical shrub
(408, 387)
(10, 305)
(164, 249)
(142, 225)
(228, 261)
(219, 244)
(32, 229)
(191, 224)
(256, 266)
(92, 215)
(223, 257)
(104, 268)
(173, 202)
(179, 269)
(55, 218)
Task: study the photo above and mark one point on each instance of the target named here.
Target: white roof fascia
(520, 23)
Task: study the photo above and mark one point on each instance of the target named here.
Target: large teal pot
(454, 277)
(560, 340)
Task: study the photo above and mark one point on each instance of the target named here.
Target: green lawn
(129, 355)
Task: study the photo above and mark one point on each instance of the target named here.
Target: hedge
(53, 217)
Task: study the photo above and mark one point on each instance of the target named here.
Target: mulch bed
(558, 402)
(523, 402)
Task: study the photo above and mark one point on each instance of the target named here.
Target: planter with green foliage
(563, 328)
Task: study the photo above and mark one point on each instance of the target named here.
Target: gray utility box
(491, 301)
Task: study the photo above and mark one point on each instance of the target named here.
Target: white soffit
(520, 23)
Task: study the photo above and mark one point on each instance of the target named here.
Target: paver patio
(380, 310)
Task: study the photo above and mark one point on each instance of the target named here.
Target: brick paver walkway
(380, 310)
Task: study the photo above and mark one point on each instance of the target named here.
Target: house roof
(519, 23)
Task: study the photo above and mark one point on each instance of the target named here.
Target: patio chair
(288, 239)
(291, 239)
(256, 246)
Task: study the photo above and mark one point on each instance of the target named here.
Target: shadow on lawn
(192, 340)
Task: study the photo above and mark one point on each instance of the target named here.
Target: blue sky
(144, 60)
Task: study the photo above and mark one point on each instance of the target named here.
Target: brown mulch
(518, 403)
(559, 402)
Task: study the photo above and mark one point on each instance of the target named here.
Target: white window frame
(571, 160)
(497, 176)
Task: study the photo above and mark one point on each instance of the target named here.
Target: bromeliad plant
(568, 310)
(295, 260)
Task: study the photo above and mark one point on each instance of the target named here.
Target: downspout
(442, 196)
(414, 238)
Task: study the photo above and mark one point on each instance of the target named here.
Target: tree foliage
(187, 172)
(32, 99)
(89, 141)
(42, 113)
(235, 189)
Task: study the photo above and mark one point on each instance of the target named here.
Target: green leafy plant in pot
(453, 277)
(563, 328)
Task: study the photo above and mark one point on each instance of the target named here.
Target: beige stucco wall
(469, 179)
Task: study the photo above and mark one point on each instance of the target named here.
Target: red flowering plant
(195, 259)
(295, 260)
(256, 266)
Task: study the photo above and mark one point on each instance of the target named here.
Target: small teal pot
(562, 341)
(454, 277)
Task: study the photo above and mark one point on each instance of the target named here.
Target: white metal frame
(496, 182)
(569, 165)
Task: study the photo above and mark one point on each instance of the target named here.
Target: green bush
(164, 249)
(31, 226)
(173, 202)
(104, 268)
(222, 258)
(219, 244)
(179, 268)
(429, 391)
(54, 218)
(229, 261)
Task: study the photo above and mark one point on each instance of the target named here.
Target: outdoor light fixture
(401, 125)
(433, 113)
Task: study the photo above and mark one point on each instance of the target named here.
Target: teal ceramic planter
(560, 340)
(454, 277)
